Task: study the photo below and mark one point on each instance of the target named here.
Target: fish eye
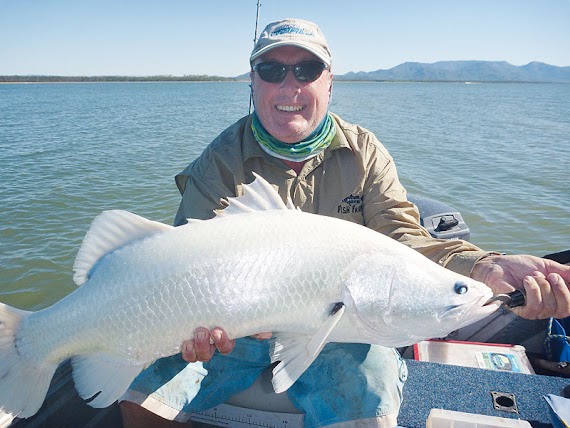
(460, 287)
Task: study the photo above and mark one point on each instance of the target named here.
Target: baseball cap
(293, 32)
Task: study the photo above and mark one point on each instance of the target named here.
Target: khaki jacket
(354, 179)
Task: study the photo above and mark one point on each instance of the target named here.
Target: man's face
(290, 110)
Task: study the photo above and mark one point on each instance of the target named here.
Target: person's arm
(387, 210)
(199, 200)
(200, 197)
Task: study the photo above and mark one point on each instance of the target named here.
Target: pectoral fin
(296, 353)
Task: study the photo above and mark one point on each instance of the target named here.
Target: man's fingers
(548, 300)
(188, 352)
(561, 293)
(262, 336)
(533, 298)
(203, 345)
(199, 348)
(545, 297)
(221, 341)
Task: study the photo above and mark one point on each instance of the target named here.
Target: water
(497, 152)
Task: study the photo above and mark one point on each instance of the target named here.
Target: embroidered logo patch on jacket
(351, 204)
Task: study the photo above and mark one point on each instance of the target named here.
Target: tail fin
(23, 382)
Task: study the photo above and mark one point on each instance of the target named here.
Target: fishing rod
(254, 42)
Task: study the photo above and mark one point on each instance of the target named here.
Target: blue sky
(179, 37)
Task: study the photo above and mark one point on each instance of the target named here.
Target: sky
(191, 37)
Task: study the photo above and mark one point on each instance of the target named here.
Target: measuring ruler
(226, 415)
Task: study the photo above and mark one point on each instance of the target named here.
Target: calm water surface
(497, 152)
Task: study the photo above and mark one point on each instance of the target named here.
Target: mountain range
(465, 71)
(442, 71)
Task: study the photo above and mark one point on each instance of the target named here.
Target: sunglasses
(275, 72)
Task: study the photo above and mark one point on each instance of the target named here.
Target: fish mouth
(470, 313)
(498, 299)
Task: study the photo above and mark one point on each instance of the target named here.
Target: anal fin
(101, 374)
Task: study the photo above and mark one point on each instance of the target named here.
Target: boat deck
(429, 385)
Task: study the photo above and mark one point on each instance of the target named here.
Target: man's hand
(205, 343)
(545, 283)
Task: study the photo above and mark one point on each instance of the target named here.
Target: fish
(260, 264)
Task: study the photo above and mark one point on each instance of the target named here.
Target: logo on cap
(290, 29)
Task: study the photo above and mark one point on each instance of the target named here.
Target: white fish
(259, 265)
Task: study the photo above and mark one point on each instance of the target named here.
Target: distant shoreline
(18, 80)
(114, 79)
(25, 81)
(409, 72)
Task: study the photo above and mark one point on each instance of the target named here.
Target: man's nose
(290, 84)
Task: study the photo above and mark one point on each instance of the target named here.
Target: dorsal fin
(109, 231)
(258, 196)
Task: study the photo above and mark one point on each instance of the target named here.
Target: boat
(475, 391)
(461, 391)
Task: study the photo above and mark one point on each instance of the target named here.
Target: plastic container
(439, 418)
(491, 356)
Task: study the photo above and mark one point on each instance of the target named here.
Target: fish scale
(145, 287)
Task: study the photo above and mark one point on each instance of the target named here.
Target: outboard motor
(440, 220)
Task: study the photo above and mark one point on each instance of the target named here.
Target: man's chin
(293, 132)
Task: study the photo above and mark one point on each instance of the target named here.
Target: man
(333, 168)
